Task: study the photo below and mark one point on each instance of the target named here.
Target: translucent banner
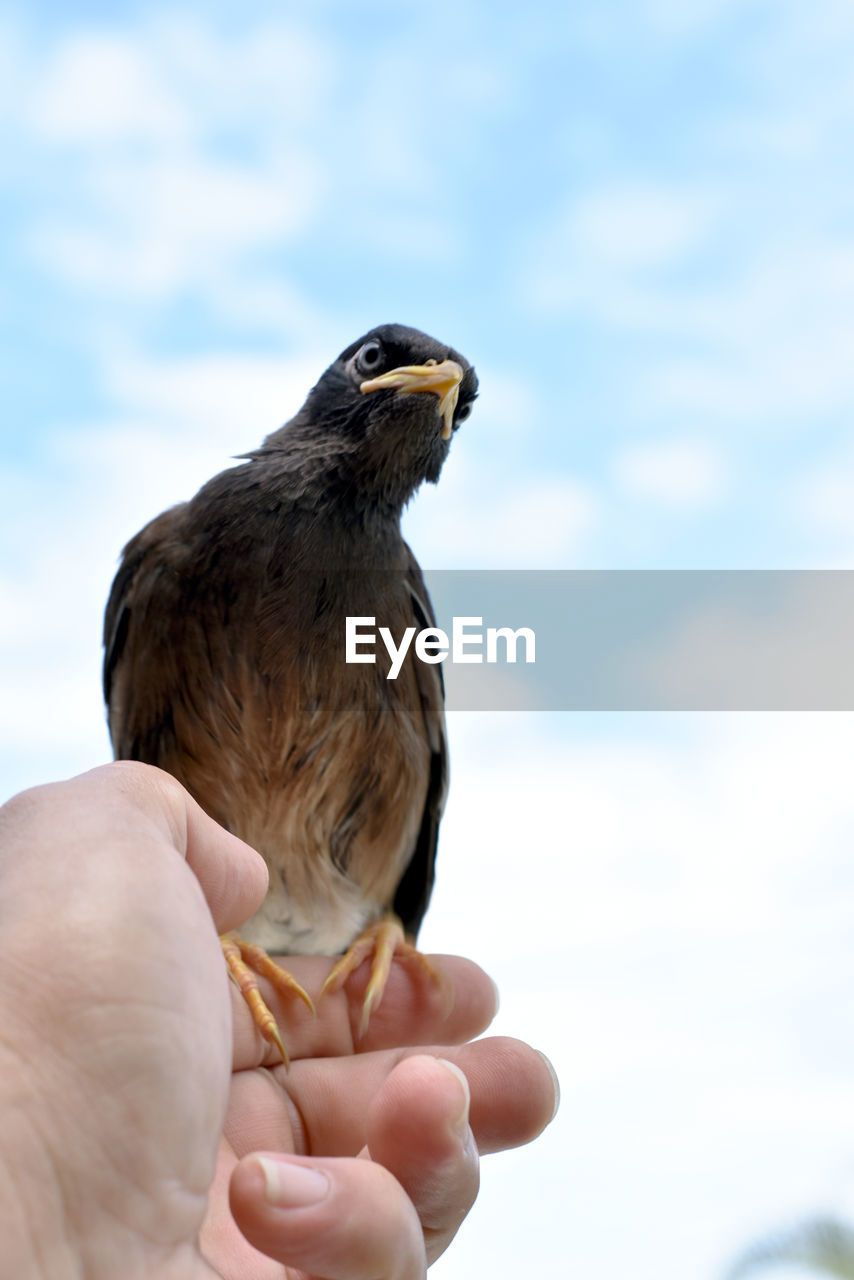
(623, 640)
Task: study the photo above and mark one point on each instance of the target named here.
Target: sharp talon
(284, 982)
(244, 960)
(383, 941)
(367, 1010)
(277, 1040)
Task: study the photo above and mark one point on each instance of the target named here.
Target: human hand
(116, 1064)
(115, 1021)
(396, 1108)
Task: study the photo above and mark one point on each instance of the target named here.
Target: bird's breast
(319, 764)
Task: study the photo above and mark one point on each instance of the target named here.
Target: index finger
(413, 1012)
(513, 1088)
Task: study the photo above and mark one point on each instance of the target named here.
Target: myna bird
(225, 665)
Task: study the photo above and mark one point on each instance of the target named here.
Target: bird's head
(389, 405)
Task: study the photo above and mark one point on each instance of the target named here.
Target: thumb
(340, 1219)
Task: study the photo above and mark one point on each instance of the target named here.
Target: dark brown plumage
(224, 646)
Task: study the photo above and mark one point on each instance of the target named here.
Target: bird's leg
(244, 960)
(383, 940)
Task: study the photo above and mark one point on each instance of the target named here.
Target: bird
(225, 663)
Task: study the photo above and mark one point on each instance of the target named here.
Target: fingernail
(497, 994)
(461, 1121)
(555, 1083)
(292, 1186)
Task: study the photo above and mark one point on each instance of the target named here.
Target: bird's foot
(244, 960)
(383, 940)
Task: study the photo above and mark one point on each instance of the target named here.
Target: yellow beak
(443, 379)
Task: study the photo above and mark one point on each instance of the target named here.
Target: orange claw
(242, 958)
(384, 940)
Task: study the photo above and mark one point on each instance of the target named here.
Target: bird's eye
(370, 357)
(461, 414)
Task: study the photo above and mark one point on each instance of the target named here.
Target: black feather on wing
(117, 617)
(413, 892)
(135, 685)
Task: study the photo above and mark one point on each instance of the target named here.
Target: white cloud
(175, 79)
(764, 339)
(158, 226)
(273, 76)
(680, 20)
(674, 473)
(182, 158)
(508, 410)
(232, 399)
(648, 826)
(665, 905)
(825, 498)
(597, 250)
(13, 68)
(777, 339)
(736, 278)
(639, 226)
(481, 518)
(822, 505)
(99, 88)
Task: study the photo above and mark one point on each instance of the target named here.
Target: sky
(637, 221)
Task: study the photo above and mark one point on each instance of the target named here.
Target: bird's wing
(134, 704)
(413, 892)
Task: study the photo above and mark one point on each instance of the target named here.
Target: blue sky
(638, 221)
(636, 215)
